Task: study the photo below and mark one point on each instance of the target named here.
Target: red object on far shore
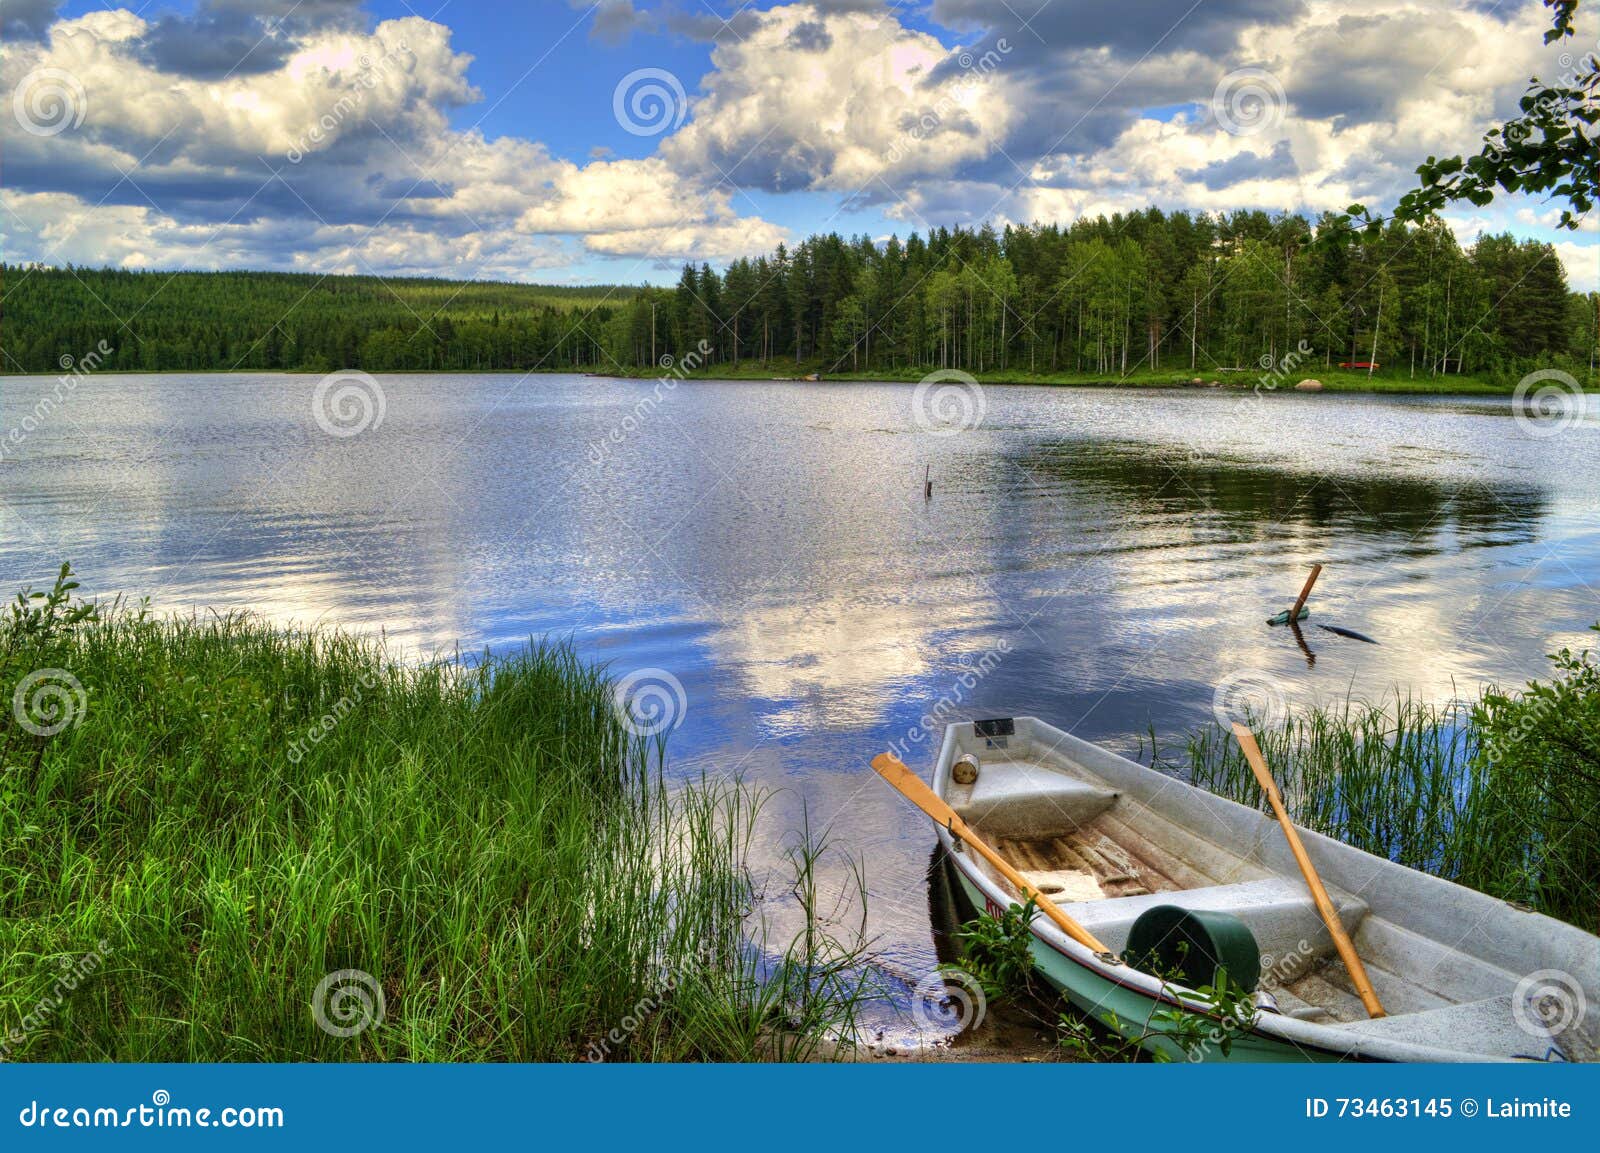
(1359, 364)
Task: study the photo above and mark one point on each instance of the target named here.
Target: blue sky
(561, 95)
(484, 140)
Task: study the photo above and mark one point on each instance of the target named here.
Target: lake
(1104, 559)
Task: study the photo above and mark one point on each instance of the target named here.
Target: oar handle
(915, 790)
(1319, 894)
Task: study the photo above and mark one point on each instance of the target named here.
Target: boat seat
(1023, 801)
(1279, 911)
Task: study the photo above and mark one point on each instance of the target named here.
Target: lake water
(1102, 559)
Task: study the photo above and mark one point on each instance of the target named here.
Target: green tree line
(209, 321)
(1103, 297)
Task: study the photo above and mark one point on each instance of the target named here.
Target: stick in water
(1300, 601)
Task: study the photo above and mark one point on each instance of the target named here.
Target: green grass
(1333, 380)
(240, 811)
(1396, 780)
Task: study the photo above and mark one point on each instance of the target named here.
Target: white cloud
(664, 216)
(1370, 89)
(174, 170)
(141, 236)
(1582, 262)
(832, 95)
(807, 98)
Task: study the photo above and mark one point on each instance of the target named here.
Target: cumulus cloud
(1133, 27)
(1361, 91)
(616, 20)
(284, 134)
(336, 152)
(215, 44)
(814, 98)
(1582, 262)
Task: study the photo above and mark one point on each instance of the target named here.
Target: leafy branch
(1550, 148)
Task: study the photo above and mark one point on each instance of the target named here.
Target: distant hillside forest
(1146, 291)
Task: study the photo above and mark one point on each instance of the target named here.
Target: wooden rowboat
(1462, 976)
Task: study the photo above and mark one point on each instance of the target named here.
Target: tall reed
(1404, 779)
(242, 814)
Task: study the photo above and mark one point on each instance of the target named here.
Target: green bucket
(1191, 946)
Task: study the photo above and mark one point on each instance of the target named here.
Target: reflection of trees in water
(1117, 481)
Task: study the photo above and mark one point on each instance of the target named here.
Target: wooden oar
(910, 786)
(1319, 895)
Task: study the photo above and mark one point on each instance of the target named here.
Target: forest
(1101, 298)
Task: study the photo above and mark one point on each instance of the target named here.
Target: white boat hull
(1135, 1011)
(1459, 971)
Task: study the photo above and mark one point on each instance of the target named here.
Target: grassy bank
(246, 843)
(1502, 795)
(1333, 380)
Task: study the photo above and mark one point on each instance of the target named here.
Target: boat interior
(1109, 839)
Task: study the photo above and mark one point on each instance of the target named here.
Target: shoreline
(1234, 381)
(1347, 382)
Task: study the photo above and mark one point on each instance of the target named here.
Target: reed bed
(1393, 779)
(1414, 782)
(278, 844)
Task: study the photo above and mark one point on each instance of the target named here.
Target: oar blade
(912, 787)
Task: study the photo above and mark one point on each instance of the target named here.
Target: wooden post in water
(927, 482)
(1300, 601)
